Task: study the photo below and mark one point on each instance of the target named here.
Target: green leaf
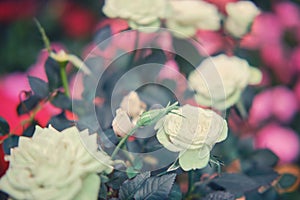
(60, 122)
(287, 180)
(27, 105)
(38, 86)
(117, 179)
(131, 172)
(53, 74)
(9, 143)
(235, 183)
(130, 187)
(175, 193)
(60, 100)
(156, 188)
(4, 127)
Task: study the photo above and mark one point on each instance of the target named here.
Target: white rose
(138, 13)
(193, 132)
(240, 17)
(189, 15)
(133, 105)
(219, 81)
(54, 165)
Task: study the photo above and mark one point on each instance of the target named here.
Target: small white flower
(240, 17)
(122, 124)
(219, 81)
(54, 165)
(138, 13)
(132, 104)
(189, 15)
(192, 132)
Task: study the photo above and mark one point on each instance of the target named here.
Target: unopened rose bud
(121, 123)
(133, 105)
(152, 116)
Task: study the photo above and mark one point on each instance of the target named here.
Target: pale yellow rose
(240, 17)
(139, 13)
(191, 131)
(189, 15)
(54, 165)
(219, 81)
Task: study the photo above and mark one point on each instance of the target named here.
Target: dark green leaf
(60, 100)
(234, 183)
(116, 179)
(260, 159)
(53, 74)
(263, 176)
(9, 143)
(27, 105)
(60, 122)
(187, 55)
(38, 86)
(156, 188)
(220, 195)
(175, 193)
(287, 180)
(4, 127)
(29, 131)
(103, 191)
(131, 172)
(130, 187)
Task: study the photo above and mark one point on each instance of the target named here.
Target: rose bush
(54, 165)
(192, 132)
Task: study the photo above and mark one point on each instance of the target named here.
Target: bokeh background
(273, 45)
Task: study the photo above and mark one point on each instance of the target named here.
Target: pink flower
(288, 14)
(261, 108)
(210, 42)
(284, 142)
(279, 102)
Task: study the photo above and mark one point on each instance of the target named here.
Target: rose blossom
(139, 14)
(219, 81)
(240, 16)
(54, 165)
(191, 131)
(122, 123)
(131, 108)
(133, 105)
(188, 16)
(284, 142)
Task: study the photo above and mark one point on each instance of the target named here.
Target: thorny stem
(190, 182)
(122, 142)
(64, 78)
(44, 36)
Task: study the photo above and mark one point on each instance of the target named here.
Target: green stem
(136, 44)
(64, 78)
(191, 182)
(240, 106)
(122, 142)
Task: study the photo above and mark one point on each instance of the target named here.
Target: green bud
(152, 116)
